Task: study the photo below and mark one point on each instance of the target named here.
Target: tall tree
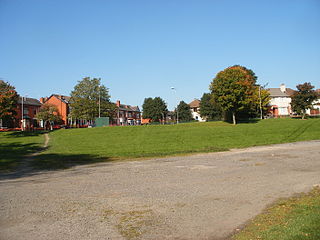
(233, 89)
(184, 112)
(86, 97)
(48, 113)
(8, 102)
(209, 109)
(154, 108)
(303, 98)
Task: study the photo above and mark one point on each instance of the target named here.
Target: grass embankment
(79, 146)
(297, 218)
(15, 145)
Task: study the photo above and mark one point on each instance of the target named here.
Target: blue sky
(143, 48)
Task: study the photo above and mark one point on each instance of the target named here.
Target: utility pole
(175, 91)
(22, 114)
(99, 102)
(260, 102)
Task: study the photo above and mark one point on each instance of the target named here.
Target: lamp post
(260, 102)
(99, 102)
(175, 91)
(22, 113)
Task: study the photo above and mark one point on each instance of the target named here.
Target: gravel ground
(203, 196)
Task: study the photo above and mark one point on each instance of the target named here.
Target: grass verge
(297, 218)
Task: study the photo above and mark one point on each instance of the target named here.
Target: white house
(280, 103)
(195, 110)
(316, 106)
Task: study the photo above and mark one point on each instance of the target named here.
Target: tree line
(233, 95)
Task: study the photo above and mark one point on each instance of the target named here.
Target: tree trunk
(234, 118)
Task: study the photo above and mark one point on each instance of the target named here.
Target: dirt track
(204, 196)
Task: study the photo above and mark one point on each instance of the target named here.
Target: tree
(8, 102)
(155, 109)
(184, 112)
(86, 97)
(233, 89)
(49, 114)
(209, 109)
(303, 98)
(260, 101)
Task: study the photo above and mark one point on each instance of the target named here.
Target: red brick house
(30, 107)
(62, 104)
(127, 114)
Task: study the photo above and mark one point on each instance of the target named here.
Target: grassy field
(15, 145)
(77, 146)
(145, 141)
(297, 218)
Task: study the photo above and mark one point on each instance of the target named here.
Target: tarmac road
(203, 196)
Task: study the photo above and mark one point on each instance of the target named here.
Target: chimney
(118, 103)
(283, 87)
(42, 100)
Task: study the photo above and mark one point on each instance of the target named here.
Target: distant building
(280, 103)
(127, 114)
(30, 107)
(62, 104)
(195, 110)
(315, 111)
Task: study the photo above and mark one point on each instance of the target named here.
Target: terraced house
(127, 114)
(27, 109)
(61, 103)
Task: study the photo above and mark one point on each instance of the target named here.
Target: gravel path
(204, 196)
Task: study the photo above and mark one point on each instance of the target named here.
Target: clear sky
(143, 48)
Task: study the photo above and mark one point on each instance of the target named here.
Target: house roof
(29, 101)
(195, 103)
(65, 99)
(276, 92)
(124, 107)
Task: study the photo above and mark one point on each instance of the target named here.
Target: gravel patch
(203, 196)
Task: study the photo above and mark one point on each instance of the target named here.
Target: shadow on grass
(16, 160)
(25, 133)
(12, 154)
(255, 120)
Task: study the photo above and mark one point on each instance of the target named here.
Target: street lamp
(175, 91)
(22, 112)
(99, 102)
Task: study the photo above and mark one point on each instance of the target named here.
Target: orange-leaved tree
(233, 89)
(8, 102)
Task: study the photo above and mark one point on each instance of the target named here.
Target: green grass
(15, 145)
(68, 147)
(297, 218)
(148, 141)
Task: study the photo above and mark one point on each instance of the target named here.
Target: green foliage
(184, 112)
(154, 108)
(8, 102)
(233, 89)
(85, 100)
(209, 109)
(303, 98)
(49, 112)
